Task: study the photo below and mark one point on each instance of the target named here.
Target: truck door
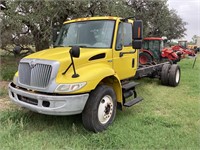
(124, 58)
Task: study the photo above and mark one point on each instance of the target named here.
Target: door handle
(121, 54)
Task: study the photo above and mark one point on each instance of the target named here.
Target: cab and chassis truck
(90, 71)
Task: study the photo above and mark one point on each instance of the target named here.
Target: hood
(61, 54)
(51, 54)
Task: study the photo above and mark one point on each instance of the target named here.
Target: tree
(38, 17)
(2, 5)
(158, 20)
(175, 26)
(33, 21)
(194, 39)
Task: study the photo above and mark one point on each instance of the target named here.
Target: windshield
(92, 34)
(152, 45)
(182, 44)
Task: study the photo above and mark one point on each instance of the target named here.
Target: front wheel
(100, 109)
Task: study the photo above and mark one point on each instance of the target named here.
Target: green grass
(167, 118)
(8, 67)
(3, 92)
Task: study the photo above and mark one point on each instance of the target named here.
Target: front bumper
(48, 104)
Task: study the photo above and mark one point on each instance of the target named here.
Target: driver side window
(124, 36)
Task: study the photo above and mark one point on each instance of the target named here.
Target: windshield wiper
(82, 46)
(58, 46)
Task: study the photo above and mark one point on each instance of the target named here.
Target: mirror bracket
(74, 52)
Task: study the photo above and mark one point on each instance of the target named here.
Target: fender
(92, 74)
(114, 82)
(147, 51)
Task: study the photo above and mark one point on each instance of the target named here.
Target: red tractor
(182, 47)
(153, 52)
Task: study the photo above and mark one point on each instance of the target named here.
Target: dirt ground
(4, 84)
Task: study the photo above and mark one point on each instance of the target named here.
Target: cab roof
(93, 18)
(96, 18)
(153, 38)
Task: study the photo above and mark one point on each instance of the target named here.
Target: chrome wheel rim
(105, 109)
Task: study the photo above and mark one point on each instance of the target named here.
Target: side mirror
(137, 34)
(137, 44)
(75, 51)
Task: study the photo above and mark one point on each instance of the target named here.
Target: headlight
(70, 87)
(15, 78)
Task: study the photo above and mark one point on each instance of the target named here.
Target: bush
(8, 67)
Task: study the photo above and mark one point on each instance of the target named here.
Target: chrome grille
(36, 76)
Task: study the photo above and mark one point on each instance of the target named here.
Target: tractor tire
(145, 58)
(174, 75)
(165, 74)
(100, 109)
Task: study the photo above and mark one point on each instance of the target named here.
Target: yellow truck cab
(88, 71)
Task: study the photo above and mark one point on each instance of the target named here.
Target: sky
(189, 11)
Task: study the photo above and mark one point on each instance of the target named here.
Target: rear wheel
(145, 58)
(165, 74)
(174, 75)
(100, 109)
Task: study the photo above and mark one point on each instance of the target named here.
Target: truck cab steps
(133, 102)
(129, 94)
(129, 85)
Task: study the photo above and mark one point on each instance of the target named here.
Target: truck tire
(100, 109)
(165, 74)
(174, 75)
